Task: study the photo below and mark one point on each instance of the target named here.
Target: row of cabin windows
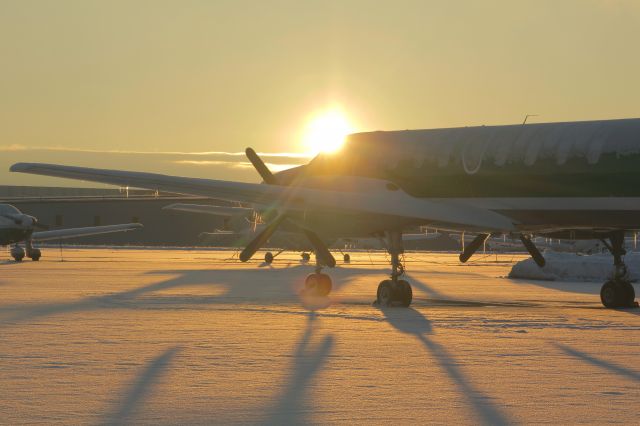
(97, 220)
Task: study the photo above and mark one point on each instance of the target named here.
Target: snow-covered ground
(190, 337)
(574, 267)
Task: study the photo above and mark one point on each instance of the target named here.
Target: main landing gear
(395, 291)
(618, 292)
(17, 253)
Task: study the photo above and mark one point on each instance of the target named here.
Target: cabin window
(97, 221)
(59, 221)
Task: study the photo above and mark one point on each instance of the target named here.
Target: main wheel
(306, 257)
(405, 293)
(268, 258)
(346, 258)
(385, 293)
(35, 254)
(17, 253)
(319, 284)
(617, 294)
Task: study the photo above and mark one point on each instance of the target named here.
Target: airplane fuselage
(549, 178)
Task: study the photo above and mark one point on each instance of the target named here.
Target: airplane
(251, 221)
(566, 180)
(247, 223)
(16, 227)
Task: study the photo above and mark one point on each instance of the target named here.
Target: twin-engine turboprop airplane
(574, 180)
(16, 227)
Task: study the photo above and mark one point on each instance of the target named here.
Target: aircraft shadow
(622, 371)
(412, 322)
(291, 406)
(140, 389)
(263, 287)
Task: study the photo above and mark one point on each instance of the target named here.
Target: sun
(326, 131)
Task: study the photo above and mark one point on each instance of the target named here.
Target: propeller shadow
(622, 371)
(141, 388)
(412, 322)
(291, 406)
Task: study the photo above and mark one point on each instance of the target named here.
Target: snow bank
(573, 267)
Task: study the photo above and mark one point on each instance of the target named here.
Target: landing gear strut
(33, 252)
(618, 292)
(395, 291)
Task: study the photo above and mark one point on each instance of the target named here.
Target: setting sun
(326, 132)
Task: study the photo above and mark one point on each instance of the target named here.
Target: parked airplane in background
(16, 227)
(574, 180)
(245, 224)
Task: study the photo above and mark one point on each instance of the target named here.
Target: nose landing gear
(395, 291)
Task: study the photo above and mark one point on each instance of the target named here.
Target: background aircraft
(16, 227)
(573, 180)
(244, 224)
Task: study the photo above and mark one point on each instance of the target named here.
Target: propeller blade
(473, 247)
(322, 251)
(255, 244)
(262, 169)
(533, 251)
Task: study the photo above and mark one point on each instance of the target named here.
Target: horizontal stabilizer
(225, 211)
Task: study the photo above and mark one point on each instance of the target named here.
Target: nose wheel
(395, 291)
(392, 293)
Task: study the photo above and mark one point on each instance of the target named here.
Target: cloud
(232, 166)
(295, 157)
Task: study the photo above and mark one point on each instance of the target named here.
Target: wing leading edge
(383, 201)
(83, 232)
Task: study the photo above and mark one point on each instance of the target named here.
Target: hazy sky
(192, 76)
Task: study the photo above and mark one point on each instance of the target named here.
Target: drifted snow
(573, 267)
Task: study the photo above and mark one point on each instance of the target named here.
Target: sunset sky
(180, 77)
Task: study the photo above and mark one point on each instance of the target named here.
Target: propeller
(321, 250)
(264, 235)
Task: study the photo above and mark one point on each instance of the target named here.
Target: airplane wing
(207, 209)
(83, 232)
(378, 199)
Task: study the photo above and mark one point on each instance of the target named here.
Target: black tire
(268, 258)
(318, 284)
(617, 294)
(18, 258)
(324, 285)
(385, 293)
(306, 257)
(347, 258)
(35, 255)
(405, 293)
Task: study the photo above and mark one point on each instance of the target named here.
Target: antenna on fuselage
(526, 117)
